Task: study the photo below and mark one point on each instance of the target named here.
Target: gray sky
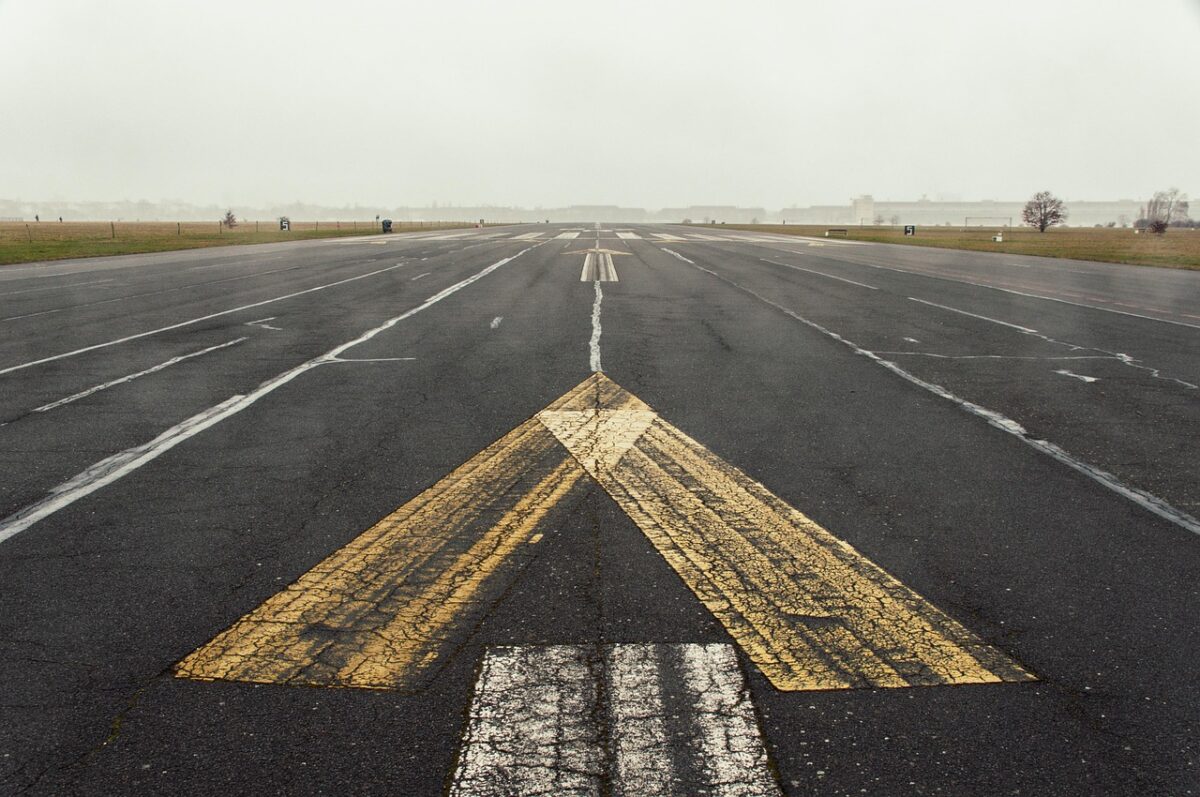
(637, 103)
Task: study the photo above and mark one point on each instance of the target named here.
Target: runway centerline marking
(806, 607)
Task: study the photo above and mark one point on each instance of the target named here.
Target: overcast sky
(649, 104)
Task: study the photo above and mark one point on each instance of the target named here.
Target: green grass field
(1178, 248)
(22, 242)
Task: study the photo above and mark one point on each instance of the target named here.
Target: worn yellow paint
(382, 611)
(808, 609)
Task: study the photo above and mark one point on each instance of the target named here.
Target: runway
(598, 509)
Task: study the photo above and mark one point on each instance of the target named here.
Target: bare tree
(230, 220)
(1044, 210)
(1164, 209)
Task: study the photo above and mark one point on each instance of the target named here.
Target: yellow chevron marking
(807, 608)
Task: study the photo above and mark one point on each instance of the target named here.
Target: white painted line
(131, 377)
(528, 236)
(530, 729)
(262, 323)
(191, 321)
(112, 468)
(819, 273)
(59, 287)
(496, 321)
(1151, 503)
(567, 235)
(236, 262)
(31, 315)
(733, 754)
(1080, 377)
(588, 273)
(666, 237)
(627, 235)
(175, 289)
(1015, 292)
(608, 270)
(637, 721)
(1017, 327)
(414, 279)
(594, 343)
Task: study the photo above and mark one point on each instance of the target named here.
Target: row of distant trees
(1165, 209)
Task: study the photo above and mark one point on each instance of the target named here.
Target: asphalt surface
(1012, 438)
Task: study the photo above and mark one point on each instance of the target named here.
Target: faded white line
(1121, 357)
(1013, 291)
(637, 722)
(819, 273)
(594, 343)
(733, 753)
(1080, 377)
(1140, 497)
(59, 287)
(139, 374)
(414, 279)
(112, 468)
(175, 289)
(496, 321)
(191, 321)
(530, 729)
(236, 262)
(1017, 327)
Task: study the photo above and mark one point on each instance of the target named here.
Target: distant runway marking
(589, 720)
(819, 273)
(175, 289)
(1080, 377)
(414, 279)
(529, 236)
(1017, 327)
(697, 237)
(496, 321)
(665, 237)
(807, 608)
(33, 315)
(567, 235)
(1015, 292)
(59, 287)
(115, 467)
(598, 267)
(236, 262)
(155, 369)
(627, 235)
(191, 321)
(262, 323)
(1148, 501)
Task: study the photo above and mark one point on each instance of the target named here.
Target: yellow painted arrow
(808, 609)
